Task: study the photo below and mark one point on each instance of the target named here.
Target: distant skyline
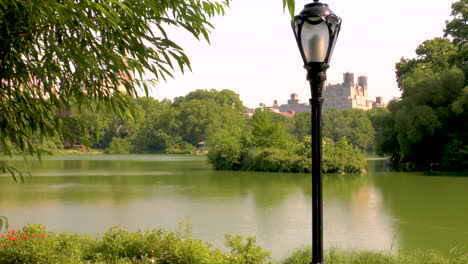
(253, 51)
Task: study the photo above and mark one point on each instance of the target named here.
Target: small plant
(4, 223)
(247, 252)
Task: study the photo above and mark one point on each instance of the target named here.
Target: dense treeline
(267, 142)
(427, 127)
(272, 142)
(166, 126)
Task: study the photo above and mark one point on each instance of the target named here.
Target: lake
(382, 210)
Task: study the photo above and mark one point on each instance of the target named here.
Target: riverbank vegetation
(266, 145)
(215, 122)
(93, 55)
(33, 244)
(427, 128)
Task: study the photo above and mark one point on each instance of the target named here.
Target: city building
(349, 94)
(294, 105)
(345, 95)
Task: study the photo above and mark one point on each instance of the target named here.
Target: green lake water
(383, 211)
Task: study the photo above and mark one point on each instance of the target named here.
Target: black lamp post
(316, 30)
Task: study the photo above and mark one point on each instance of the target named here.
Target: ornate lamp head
(316, 30)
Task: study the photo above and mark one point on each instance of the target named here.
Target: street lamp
(316, 30)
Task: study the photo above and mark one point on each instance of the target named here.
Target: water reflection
(429, 212)
(378, 211)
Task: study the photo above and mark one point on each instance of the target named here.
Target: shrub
(225, 153)
(341, 157)
(33, 244)
(119, 146)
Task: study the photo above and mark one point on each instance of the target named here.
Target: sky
(253, 51)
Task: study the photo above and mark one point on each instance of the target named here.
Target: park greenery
(34, 244)
(266, 144)
(87, 54)
(427, 127)
(216, 120)
(53, 96)
(70, 73)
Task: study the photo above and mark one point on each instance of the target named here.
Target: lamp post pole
(316, 30)
(316, 77)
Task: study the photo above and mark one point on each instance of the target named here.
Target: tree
(354, 124)
(302, 125)
(156, 128)
(457, 28)
(433, 56)
(57, 53)
(202, 113)
(266, 133)
(428, 124)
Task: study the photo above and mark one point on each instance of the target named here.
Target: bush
(119, 146)
(225, 153)
(33, 244)
(341, 157)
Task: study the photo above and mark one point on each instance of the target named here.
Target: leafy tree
(119, 146)
(266, 133)
(302, 125)
(223, 98)
(56, 53)
(457, 28)
(354, 124)
(433, 56)
(156, 127)
(428, 124)
(342, 157)
(202, 114)
(421, 127)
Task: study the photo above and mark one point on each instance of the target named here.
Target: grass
(339, 256)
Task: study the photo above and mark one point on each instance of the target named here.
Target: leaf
(4, 223)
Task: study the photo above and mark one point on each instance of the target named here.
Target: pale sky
(253, 51)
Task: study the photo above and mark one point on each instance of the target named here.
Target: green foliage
(119, 146)
(339, 256)
(290, 5)
(202, 114)
(226, 151)
(245, 252)
(302, 125)
(351, 123)
(260, 152)
(457, 28)
(266, 133)
(428, 125)
(433, 56)
(33, 244)
(422, 128)
(54, 54)
(4, 223)
(341, 157)
(274, 160)
(355, 124)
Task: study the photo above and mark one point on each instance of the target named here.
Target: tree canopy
(88, 53)
(429, 123)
